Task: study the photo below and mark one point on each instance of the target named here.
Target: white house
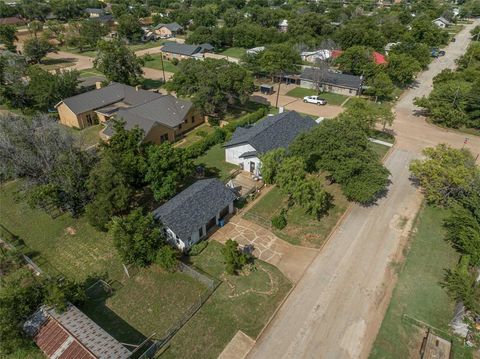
(190, 215)
(248, 143)
(283, 26)
(255, 50)
(441, 22)
(313, 56)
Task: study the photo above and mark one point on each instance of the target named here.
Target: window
(90, 119)
(193, 119)
(164, 138)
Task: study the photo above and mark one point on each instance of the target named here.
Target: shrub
(235, 259)
(247, 119)
(174, 62)
(202, 133)
(197, 248)
(198, 148)
(167, 258)
(279, 221)
(213, 121)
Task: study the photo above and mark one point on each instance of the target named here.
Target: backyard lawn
(90, 72)
(418, 293)
(244, 302)
(150, 302)
(49, 64)
(236, 52)
(155, 62)
(86, 137)
(195, 135)
(332, 98)
(302, 228)
(214, 162)
(64, 245)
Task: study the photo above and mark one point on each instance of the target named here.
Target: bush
(202, 133)
(197, 248)
(279, 221)
(247, 119)
(198, 148)
(167, 258)
(235, 259)
(174, 61)
(213, 121)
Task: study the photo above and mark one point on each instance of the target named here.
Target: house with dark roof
(249, 143)
(71, 335)
(188, 217)
(174, 50)
(161, 117)
(331, 81)
(168, 30)
(441, 22)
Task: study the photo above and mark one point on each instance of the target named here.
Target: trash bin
(221, 222)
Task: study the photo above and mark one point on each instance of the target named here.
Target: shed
(435, 347)
(266, 89)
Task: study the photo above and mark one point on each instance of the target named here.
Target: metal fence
(196, 274)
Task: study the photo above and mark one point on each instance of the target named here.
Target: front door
(252, 167)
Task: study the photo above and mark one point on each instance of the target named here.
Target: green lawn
(154, 62)
(193, 136)
(332, 98)
(243, 302)
(150, 302)
(380, 150)
(302, 228)
(64, 245)
(146, 45)
(86, 137)
(49, 64)
(74, 50)
(236, 52)
(214, 162)
(418, 293)
(90, 72)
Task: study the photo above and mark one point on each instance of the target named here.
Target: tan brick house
(161, 117)
(168, 30)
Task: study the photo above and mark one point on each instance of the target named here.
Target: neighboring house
(283, 26)
(174, 50)
(190, 215)
(12, 20)
(94, 12)
(313, 56)
(441, 22)
(72, 334)
(255, 50)
(90, 83)
(168, 30)
(249, 143)
(162, 117)
(331, 81)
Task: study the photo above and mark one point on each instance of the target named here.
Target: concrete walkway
(291, 260)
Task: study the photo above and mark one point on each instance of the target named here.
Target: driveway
(291, 260)
(295, 103)
(337, 307)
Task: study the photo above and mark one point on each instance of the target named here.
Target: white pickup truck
(315, 100)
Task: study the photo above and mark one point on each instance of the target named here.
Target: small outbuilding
(441, 22)
(266, 89)
(435, 347)
(188, 217)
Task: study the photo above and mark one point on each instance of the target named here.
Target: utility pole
(278, 90)
(163, 68)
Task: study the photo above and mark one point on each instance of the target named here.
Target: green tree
(402, 69)
(167, 168)
(234, 258)
(35, 49)
(311, 195)
(447, 173)
(91, 32)
(279, 59)
(129, 28)
(290, 173)
(368, 114)
(137, 237)
(118, 63)
(167, 258)
(8, 37)
(271, 161)
(66, 9)
(381, 87)
(355, 60)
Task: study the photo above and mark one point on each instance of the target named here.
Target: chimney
(98, 85)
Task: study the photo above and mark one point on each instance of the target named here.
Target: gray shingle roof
(108, 95)
(90, 10)
(173, 26)
(181, 49)
(273, 132)
(334, 78)
(192, 208)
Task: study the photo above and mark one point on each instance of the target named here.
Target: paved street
(336, 309)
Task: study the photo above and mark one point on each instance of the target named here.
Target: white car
(315, 99)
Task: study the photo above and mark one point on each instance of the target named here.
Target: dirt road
(337, 307)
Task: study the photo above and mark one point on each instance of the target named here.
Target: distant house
(90, 83)
(168, 30)
(331, 81)
(313, 56)
(190, 215)
(248, 143)
(283, 26)
(94, 12)
(161, 117)
(72, 334)
(255, 50)
(441, 22)
(12, 20)
(174, 50)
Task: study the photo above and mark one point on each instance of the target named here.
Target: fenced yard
(302, 228)
(244, 302)
(214, 162)
(418, 296)
(65, 246)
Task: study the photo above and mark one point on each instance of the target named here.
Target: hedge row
(220, 134)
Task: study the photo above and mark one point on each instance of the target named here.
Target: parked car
(315, 100)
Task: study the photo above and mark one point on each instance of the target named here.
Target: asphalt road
(336, 309)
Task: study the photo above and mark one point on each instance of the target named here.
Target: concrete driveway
(291, 260)
(337, 307)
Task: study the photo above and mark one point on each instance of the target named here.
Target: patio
(245, 182)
